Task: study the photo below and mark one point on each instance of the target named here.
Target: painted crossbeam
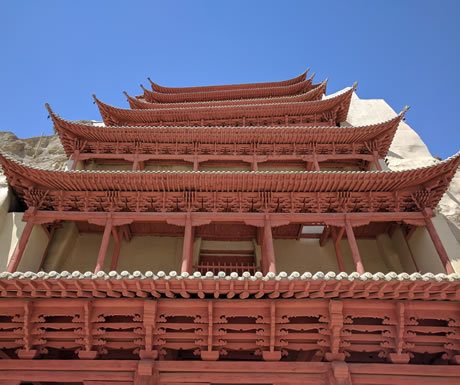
(202, 373)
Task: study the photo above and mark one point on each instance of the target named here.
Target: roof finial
(312, 76)
(403, 111)
(150, 80)
(95, 99)
(143, 88)
(48, 107)
(355, 86)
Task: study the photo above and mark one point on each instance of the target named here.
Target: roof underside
(412, 188)
(376, 137)
(297, 79)
(151, 99)
(332, 109)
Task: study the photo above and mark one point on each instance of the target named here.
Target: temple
(232, 234)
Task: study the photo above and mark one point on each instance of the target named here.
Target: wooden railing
(227, 267)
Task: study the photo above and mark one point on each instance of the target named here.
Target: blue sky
(407, 52)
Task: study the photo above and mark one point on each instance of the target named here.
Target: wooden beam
(335, 219)
(354, 248)
(324, 235)
(104, 245)
(75, 157)
(187, 248)
(337, 237)
(21, 246)
(268, 252)
(48, 244)
(377, 164)
(443, 256)
(315, 162)
(116, 250)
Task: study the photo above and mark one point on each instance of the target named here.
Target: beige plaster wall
(307, 255)
(11, 229)
(151, 253)
(425, 254)
(402, 249)
(72, 251)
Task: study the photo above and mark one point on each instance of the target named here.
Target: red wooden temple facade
(240, 178)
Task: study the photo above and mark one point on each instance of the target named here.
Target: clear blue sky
(407, 52)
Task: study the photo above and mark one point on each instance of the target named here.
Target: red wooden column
(116, 250)
(315, 162)
(196, 164)
(268, 252)
(337, 237)
(187, 249)
(354, 247)
(21, 245)
(104, 245)
(50, 235)
(74, 158)
(443, 256)
(378, 166)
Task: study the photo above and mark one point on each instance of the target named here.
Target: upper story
(263, 177)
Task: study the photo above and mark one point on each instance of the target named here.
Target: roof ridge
(285, 82)
(314, 89)
(295, 275)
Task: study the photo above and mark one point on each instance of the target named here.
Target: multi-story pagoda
(186, 242)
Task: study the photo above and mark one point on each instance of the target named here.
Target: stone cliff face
(43, 151)
(407, 151)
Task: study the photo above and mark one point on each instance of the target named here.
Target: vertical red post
(116, 250)
(268, 252)
(187, 250)
(443, 256)
(337, 237)
(20, 246)
(315, 162)
(50, 235)
(104, 246)
(74, 158)
(377, 164)
(354, 248)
